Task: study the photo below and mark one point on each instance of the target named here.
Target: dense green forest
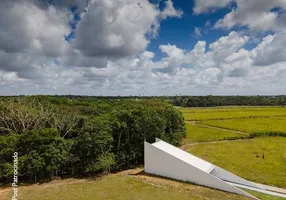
(61, 136)
(199, 101)
(211, 101)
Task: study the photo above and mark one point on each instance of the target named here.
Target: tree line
(191, 101)
(211, 101)
(61, 136)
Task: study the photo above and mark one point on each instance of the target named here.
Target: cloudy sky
(132, 47)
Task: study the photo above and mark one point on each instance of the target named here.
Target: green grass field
(124, 187)
(250, 125)
(121, 187)
(264, 196)
(202, 134)
(240, 158)
(230, 113)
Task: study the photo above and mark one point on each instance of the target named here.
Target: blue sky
(155, 47)
(176, 31)
(181, 31)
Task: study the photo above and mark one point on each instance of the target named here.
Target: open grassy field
(123, 186)
(240, 158)
(230, 113)
(264, 196)
(120, 187)
(203, 134)
(250, 125)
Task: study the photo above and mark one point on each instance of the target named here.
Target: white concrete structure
(169, 161)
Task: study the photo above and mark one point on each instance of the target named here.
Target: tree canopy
(61, 136)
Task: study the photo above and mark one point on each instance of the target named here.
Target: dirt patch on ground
(4, 193)
(55, 183)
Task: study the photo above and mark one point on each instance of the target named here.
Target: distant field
(230, 113)
(240, 158)
(250, 125)
(202, 134)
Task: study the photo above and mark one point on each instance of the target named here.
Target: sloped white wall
(228, 176)
(161, 163)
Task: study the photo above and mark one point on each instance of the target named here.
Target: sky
(143, 47)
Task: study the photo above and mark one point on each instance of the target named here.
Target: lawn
(240, 157)
(121, 187)
(264, 196)
(124, 186)
(202, 134)
(250, 125)
(230, 113)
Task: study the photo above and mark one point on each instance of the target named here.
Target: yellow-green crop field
(232, 113)
(206, 127)
(250, 125)
(202, 134)
(244, 158)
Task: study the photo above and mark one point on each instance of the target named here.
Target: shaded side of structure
(169, 161)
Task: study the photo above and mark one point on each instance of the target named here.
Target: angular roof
(184, 156)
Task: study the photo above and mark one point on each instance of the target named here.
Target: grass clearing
(264, 196)
(240, 158)
(121, 187)
(232, 113)
(202, 134)
(251, 125)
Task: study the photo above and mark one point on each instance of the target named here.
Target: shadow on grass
(187, 183)
(145, 174)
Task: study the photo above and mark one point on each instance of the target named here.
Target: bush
(270, 134)
(42, 153)
(8, 145)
